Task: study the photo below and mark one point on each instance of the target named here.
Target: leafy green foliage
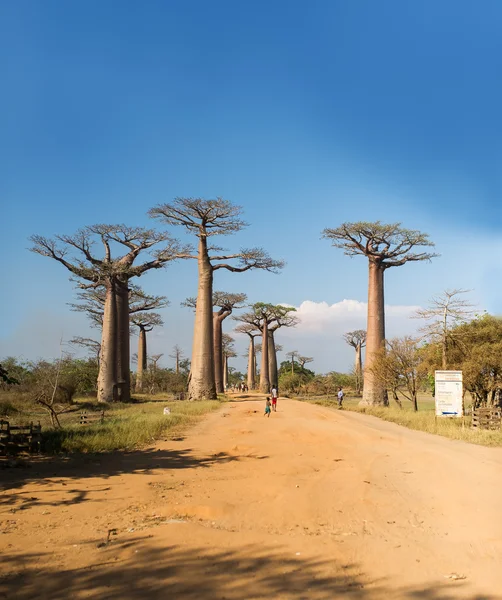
(235, 377)
(6, 378)
(76, 376)
(69, 376)
(285, 369)
(476, 350)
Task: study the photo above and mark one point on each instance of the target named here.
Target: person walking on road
(267, 408)
(274, 399)
(340, 397)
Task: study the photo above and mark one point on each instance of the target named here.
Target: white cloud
(320, 331)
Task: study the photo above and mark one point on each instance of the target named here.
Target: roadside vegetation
(423, 420)
(127, 427)
(56, 394)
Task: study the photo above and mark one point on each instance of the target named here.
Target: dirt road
(310, 503)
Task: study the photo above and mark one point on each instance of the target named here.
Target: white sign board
(449, 394)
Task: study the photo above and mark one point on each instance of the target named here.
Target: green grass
(125, 427)
(423, 420)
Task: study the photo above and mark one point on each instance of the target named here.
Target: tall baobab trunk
(218, 353)
(272, 360)
(359, 366)
(123, 342)
(264, 371)
(251, 364)
(373, 391)
(201, 385)
(107, 362)
(225, 372)
(142, 359)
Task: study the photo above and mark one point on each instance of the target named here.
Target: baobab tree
(303, 360)
(262, 317)
(385, 246)
(445, 313)
(114, 274)
(225, 303)
(204, 219)
(227, 342)
(178, 356)
(357, 339)
(92, 302)
(273, 349)
(154, 361)
(145, 323)
(251, 332)
(283, 319)
(292, 355)
(257, 352)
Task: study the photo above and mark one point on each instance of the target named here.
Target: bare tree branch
(388, 244)
(356, 338)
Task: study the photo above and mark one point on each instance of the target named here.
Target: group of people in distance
(271, 405)
(237, 387)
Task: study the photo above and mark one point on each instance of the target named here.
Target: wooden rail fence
(86, 418)
(19, 438)
(487, 418)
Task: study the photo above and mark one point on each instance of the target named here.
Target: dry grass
(125, 426)
(423, 420)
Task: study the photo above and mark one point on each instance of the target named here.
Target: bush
(292, 382)
(7, 408)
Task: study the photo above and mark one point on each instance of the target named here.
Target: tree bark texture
(123, 342)
(142, 359)
(107, 376)
(225, 372)
(201, 385)
(272, 360)
(264, 372)
(251, 364)
(358, 367)
(373, 392)
(218, 353)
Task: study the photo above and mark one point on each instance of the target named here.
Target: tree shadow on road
(134, 570)
(60, 470)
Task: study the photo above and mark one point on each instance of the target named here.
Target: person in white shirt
(340, 397)
(274, 399)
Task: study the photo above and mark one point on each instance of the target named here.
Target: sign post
(449, 394)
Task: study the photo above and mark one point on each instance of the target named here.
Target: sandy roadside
(310, 503)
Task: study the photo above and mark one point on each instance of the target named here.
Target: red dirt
(310, 503)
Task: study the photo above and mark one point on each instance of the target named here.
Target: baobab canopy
(388, 244)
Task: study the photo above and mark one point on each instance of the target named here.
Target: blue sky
(306, 114)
